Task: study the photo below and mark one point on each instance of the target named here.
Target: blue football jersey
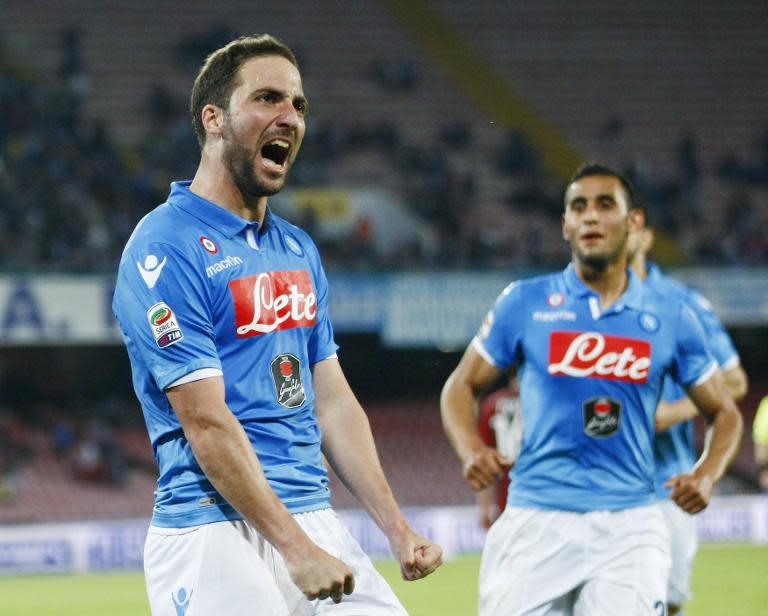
(201, 291)
(674, 449)
(590, 381)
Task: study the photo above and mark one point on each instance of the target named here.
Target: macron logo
(220, 266)
(150, 272)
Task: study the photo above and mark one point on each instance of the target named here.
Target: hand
(320, 576)
(690, 491)
(418, 555)
(484, 467)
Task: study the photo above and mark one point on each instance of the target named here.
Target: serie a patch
(165, 327)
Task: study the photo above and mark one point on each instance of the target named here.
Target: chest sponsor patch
(599, 356)
(602, 416)
(272, 301)
(286, 374)
(165, 327)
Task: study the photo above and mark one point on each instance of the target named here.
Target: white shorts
(229, 568)
(683, 545)
(559, 563)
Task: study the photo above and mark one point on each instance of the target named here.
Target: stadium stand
(388, 113)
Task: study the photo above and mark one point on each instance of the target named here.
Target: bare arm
(349, 447)
(692, 491)
(227, 458)
(670, 413)
(481, 464)
(736, 382)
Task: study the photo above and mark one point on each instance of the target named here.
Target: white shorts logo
(164, 326)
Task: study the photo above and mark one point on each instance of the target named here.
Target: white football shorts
(561, 563)
(229, 568)
(683, 545)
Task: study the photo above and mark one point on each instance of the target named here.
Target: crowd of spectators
(71, 194)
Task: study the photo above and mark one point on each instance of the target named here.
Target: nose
(289, 116)
(590, 212)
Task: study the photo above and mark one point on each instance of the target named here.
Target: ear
(565, 229)
(213, 119)
(636, 219)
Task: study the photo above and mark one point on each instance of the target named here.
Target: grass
(728, 580)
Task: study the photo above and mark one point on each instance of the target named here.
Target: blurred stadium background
(438, 142)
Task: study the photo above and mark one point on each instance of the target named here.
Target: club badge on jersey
(286, 373)
(602, 416)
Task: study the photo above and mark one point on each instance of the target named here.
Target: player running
(582, 533)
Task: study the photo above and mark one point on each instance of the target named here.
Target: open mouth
(276, 151)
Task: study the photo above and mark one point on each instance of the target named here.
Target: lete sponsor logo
(272, 301)
(164, 326)
(594, 355)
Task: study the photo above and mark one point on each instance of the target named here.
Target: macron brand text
(220, 266)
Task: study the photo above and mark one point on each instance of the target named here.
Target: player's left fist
(419, 557)
(690, 492)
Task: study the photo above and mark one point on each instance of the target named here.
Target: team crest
(601, 416)
(293, 245)
(286, 374)
(649, 322)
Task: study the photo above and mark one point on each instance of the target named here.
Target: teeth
(281, 143)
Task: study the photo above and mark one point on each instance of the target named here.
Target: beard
(239, 161)
(599, 262)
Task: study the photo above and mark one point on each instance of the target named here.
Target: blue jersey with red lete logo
(202, 292)
(590, 380)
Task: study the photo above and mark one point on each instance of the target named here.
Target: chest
(620, 344)
(260, 288)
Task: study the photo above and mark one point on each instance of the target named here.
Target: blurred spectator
(98, 456)
(14, 452)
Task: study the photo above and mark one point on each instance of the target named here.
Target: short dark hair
(592, 168)
(217, 78)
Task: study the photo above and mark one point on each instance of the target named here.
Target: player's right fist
(484, 467)
(321, 576)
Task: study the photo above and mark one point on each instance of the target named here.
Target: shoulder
(545, 283)
(163, 225)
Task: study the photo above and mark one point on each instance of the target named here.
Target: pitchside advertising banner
(437, 310)
(81, 547)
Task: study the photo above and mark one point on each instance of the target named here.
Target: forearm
(457, 411)
(349, 446)
(724, 441)
(228, 460)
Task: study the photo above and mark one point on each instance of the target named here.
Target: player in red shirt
(500, 425)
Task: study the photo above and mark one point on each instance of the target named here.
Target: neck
(214, 182)
(609, 282)
(639, 265)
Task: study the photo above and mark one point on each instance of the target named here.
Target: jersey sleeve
(163, 307)
(693, 362)
(718, 340)
(500, 335)
(321, 344)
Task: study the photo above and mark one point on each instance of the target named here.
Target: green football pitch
(729, 580)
